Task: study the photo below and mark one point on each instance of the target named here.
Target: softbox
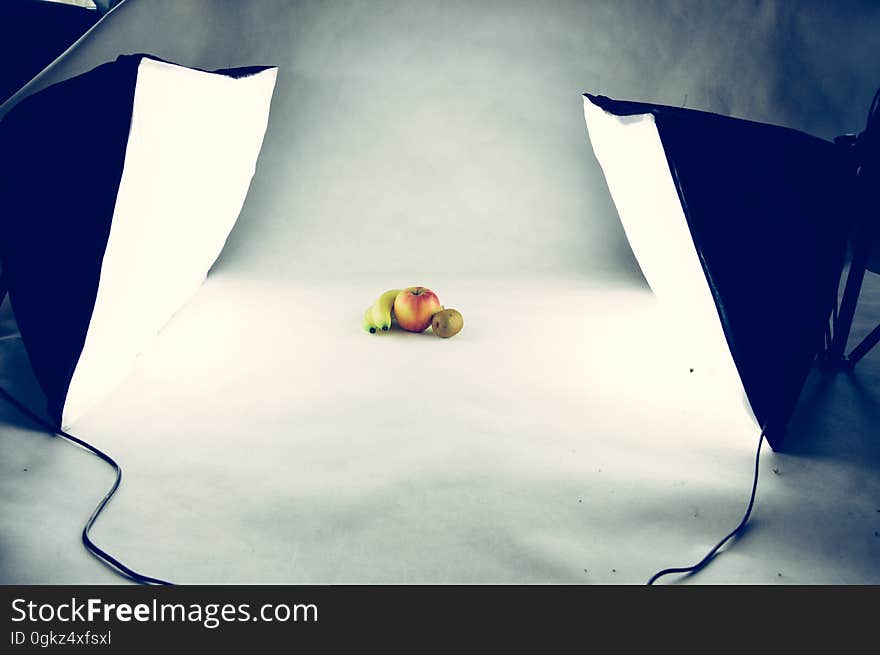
(119, 188)
(741, 226)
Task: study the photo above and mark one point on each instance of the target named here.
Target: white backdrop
(424, 138)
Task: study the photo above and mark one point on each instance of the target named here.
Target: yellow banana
(368, 324)
(382, 309)
(378, 316)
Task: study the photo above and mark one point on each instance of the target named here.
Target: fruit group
(378, 315)
(414, 307)
(447, 323)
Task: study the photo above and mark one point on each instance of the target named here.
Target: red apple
(414, 308)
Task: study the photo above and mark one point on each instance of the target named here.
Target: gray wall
(424, 138)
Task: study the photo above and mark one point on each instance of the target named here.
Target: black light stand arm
(864, 347)
(863, 238)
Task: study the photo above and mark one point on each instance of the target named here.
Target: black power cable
(703, 562)
(99, 553)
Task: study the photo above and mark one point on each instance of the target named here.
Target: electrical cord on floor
(101, 554)
(703, 562)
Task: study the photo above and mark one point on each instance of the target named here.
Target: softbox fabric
(119, 188)
(740, 225)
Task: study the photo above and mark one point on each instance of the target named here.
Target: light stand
(865, 149)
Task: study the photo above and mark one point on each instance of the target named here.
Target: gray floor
(574, 451)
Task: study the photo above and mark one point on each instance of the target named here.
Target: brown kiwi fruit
(447, 323)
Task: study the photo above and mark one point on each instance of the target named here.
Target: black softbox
(738, 223)
(119, 188)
